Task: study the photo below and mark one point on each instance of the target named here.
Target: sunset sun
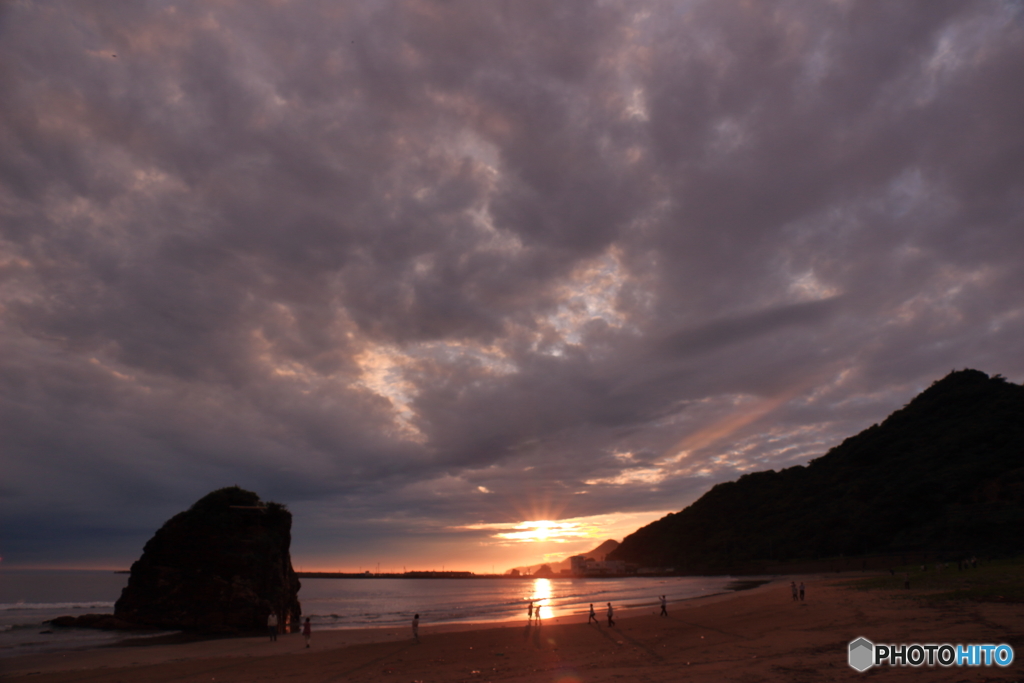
(544, 530)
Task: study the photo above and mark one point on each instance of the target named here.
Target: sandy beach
(755, 635)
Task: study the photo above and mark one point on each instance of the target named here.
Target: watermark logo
(864, 654)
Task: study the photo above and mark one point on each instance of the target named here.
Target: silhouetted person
(801, 591)
(664, 606)
(593, 615)
(536, 614)
(307, 631)
(416, 628)
(611, 615)
(272, 626)
(792, 587)
(529, 613)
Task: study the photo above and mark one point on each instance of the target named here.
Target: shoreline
(141, 636)
(184, 646)
(152, 636)
(756, 634)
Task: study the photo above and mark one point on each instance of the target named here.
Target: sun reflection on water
(541, 592)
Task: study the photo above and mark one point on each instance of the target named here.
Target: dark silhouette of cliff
(222, 565)
(945, 474)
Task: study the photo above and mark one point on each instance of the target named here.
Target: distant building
(612, 567)
(584, 566)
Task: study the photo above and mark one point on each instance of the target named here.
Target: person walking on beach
(272, 626)
(593, 616)
(611, 615)
(536, 614)
(529, 614)
(664, 606)
(792, 587)
(416, 628)
(307, 631)
(801, 591)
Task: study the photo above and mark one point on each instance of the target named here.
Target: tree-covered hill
(943, 474)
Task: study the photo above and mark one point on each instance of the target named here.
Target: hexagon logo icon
(862, 654)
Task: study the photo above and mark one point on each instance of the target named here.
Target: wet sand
(755, 635)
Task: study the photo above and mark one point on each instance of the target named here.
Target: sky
(471, 285)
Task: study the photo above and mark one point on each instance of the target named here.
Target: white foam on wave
(17, 606)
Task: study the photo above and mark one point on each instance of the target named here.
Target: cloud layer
(422, 268)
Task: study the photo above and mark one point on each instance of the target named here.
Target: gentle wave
(21, 606)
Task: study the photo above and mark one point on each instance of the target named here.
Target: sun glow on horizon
(486, 547)
(544, 530)
(572, 530)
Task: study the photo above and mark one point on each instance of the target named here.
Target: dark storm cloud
(420, 265)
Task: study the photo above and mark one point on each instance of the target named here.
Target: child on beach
(416, 628)
(611, 613)
(307, 631)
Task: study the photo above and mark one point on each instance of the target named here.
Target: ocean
(30, 597)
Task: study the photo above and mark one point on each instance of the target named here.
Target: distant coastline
(462, 575)
(825, 565)
(405, 575)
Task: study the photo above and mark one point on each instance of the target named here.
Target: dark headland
(941, 478)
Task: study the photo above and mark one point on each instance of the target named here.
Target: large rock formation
(222, 565)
